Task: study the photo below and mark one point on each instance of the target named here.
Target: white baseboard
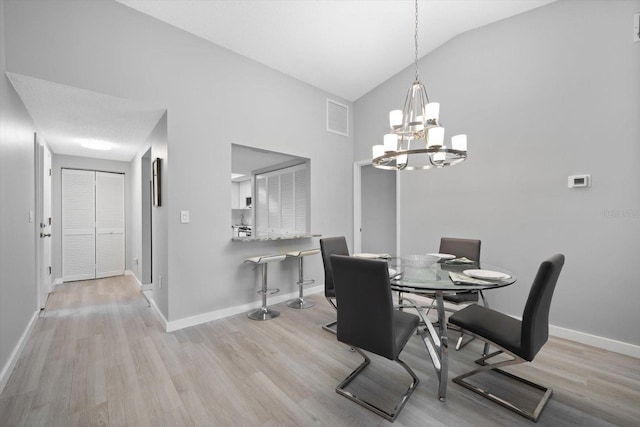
(163, 319)
(556, 331)
(596, 341)
(231, 311)
(142, 287)
(131, 273)
(576, 336)
(15, 355)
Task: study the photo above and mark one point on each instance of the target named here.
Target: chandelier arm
(452, 157)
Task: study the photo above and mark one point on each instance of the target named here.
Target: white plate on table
(366, 255)
(392, 273)
(443, 256)
(486, 274)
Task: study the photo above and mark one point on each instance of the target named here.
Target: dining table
(434, 277)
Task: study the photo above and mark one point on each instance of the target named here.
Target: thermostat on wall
(577, 181)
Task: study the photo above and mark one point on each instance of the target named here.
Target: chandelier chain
(415, 39)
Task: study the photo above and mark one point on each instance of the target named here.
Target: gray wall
(109, 48)
(378, 210)
(58, 162)
(17, 198)
(140, 233)
(159, 220)
(543, 95)
(145, 212)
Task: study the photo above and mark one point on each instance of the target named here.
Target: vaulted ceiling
(345, 47)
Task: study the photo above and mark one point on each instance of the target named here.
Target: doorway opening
(376, 228)
(145, 264)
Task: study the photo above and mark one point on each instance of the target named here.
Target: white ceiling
(346, 47)
(66, 115)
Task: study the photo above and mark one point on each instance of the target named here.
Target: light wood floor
(98, 356)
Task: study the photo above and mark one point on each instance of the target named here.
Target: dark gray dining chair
(328, 247)
(367, 321)
(521, 339)
(470, 249)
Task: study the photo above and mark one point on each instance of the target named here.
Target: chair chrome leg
(532, 415)
(461, 343)
(332, 326)
(389, 415)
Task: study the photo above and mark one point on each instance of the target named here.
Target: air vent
(337, 118)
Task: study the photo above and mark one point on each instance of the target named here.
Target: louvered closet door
(110, 244)
(78, 225)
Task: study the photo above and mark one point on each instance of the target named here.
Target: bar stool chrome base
(263, 313)
(300, 302)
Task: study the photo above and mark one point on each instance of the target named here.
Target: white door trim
(357, 204)
(38, 152)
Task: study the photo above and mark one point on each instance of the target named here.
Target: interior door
(43, 226)
(78, 225)
(110, 245)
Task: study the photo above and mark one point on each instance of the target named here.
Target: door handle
(43, 235)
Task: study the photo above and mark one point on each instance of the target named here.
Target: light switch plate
(184, 217)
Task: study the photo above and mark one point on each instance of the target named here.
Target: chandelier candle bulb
(432, 111)
(395, 118)
(439, 157)
(459, 142)
(402, 160)
(435, 137)
(377, 150)
(390, 142)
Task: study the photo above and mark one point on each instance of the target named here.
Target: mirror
(269, 192)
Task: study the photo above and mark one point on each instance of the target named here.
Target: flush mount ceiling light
(94, 144)
(416, 140)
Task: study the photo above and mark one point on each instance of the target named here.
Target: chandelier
(416, 140)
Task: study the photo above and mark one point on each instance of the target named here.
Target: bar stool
(264, 312)
(300, 302)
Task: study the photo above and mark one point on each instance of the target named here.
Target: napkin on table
(463, 279)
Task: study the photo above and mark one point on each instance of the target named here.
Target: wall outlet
(184, 217)
(636, 27)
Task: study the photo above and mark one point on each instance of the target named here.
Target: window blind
(281, 201)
